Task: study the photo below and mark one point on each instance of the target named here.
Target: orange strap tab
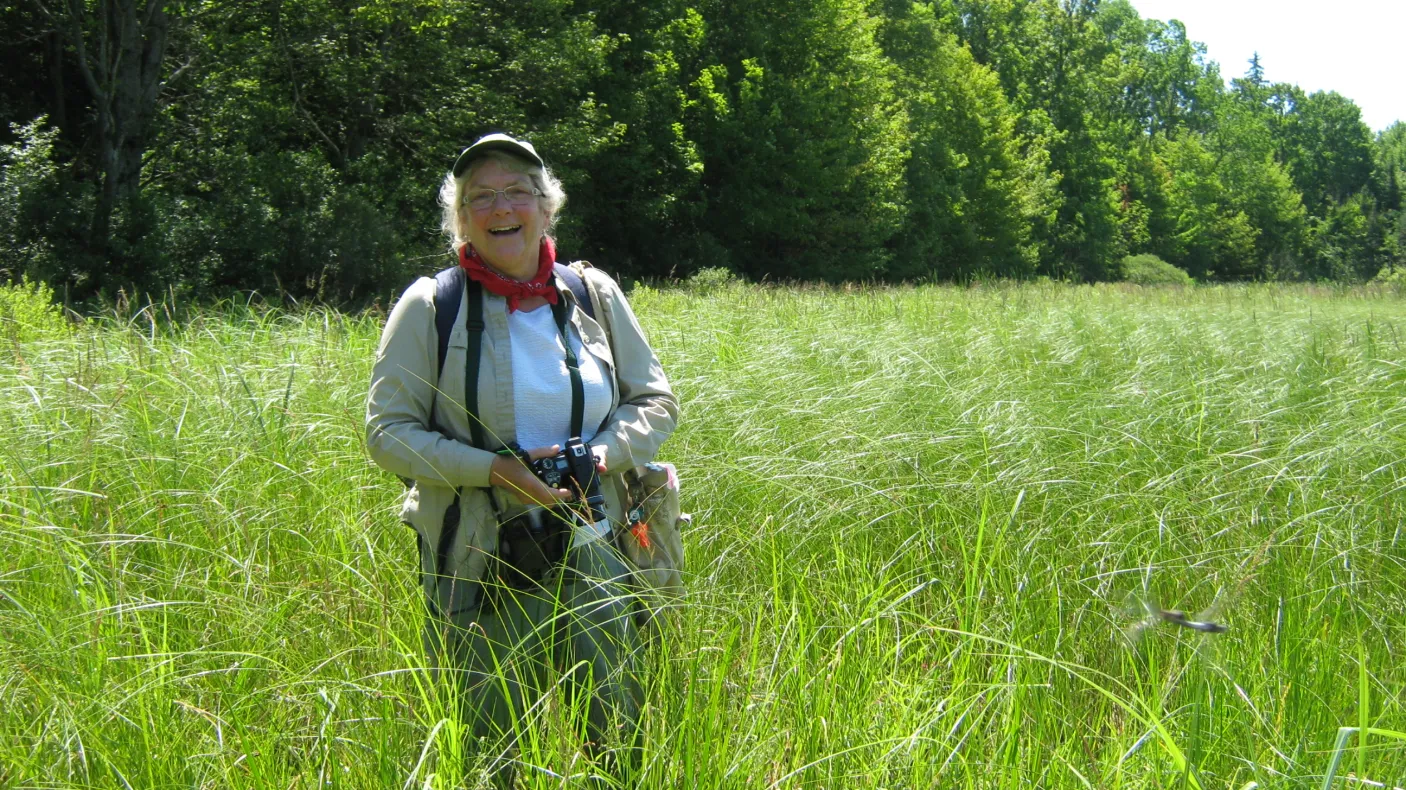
(641, 532)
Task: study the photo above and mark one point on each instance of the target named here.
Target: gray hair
(455, 223)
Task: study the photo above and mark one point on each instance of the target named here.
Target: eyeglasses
(481, 199)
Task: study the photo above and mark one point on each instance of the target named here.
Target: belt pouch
(530, 545)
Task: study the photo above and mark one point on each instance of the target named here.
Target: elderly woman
(504, 623)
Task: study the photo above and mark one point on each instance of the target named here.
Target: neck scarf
(513, 290)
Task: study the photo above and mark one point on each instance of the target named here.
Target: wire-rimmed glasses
(484, 198)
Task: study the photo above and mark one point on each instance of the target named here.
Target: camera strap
(448, 285)
(573, 368)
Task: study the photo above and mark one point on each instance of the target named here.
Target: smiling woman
(507, 229)
(525, 583)
(509, 232)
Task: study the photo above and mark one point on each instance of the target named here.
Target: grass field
(918, 516)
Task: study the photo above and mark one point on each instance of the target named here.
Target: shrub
(1148, 269)
(1391, 275)
(28, 312)
(710, 279)
(32, 199)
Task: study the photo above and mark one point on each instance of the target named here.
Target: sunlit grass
(917, 515)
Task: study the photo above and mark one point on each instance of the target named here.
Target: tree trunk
(137, 85)
(58, 100)
(120, 51)
(100, 228)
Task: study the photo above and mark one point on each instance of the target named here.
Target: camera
(574, 468)
(535, 541)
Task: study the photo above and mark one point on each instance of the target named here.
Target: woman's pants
(576, 629)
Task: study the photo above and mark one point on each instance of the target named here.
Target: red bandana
(514, 290)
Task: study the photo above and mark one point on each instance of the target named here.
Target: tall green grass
(918, 513)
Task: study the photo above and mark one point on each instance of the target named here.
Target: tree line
(295, 146)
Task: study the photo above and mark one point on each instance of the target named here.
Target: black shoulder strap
(577, 285)
(474, 323)
(573, 368)
(448, 288)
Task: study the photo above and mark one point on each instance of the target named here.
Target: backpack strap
(448, 288)
(585, 297)
(577, 285)
(474, 324)
(450, 285)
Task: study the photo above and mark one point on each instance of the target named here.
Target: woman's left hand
(599, 453)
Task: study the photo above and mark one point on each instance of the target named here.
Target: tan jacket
(403, 392)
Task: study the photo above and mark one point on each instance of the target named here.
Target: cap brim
(503, 144)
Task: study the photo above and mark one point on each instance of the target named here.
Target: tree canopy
(296, 147)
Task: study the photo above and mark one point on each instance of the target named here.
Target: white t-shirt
(542, 387)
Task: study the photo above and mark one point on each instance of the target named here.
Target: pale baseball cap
(496, 142)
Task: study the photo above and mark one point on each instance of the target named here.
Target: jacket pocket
(448, 532)
(436, 514)
(467, 552)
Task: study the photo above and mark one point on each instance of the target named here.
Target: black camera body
(535, 541)
(530, 545)
(574, 468)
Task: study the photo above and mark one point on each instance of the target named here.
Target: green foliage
(39, 207)
(319, 151)
(1257, 183)
(976, 189)
(1389, 179)
(1395, 275)
(1390, 146)
(1147, 269)
(296, 147)
(1210, 233)
(1328, 149)
(282, 222)
(636, 203)
(1339, 242)
(1070, 74)
(804, 166)
(710, 279)
(28, 312)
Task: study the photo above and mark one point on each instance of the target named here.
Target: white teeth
(504, 229)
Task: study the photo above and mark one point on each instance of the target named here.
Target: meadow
(919, 517)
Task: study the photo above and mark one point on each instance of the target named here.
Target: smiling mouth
(505, 230)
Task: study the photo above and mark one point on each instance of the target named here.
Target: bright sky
(1354, 47)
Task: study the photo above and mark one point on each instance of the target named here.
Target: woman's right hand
(512, 475)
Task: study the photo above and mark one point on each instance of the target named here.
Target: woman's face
(507, 237)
